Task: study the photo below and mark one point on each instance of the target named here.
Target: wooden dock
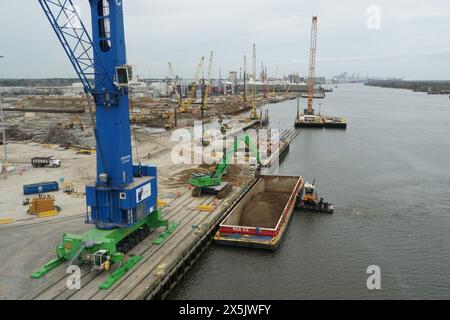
(162, 265)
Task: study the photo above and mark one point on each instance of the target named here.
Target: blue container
(42, 187)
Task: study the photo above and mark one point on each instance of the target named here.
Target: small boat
(309, 200)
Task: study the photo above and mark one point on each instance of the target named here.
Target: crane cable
(97, 139)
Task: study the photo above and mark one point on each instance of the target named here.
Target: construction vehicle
(71, 124)
(211, 182)
(310, 201)
(169, 117)
(122, 203)
(40, 162)
(43, 206)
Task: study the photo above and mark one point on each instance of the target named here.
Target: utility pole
(245, 79)
(254, 113)
(5, 151)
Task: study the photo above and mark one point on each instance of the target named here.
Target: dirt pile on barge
(263, 210)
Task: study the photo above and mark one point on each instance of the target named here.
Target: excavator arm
(223, 165)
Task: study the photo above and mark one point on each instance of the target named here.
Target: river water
(388, 175)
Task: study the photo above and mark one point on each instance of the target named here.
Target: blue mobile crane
(122, 203)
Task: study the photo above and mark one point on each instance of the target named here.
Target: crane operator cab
(124, 75)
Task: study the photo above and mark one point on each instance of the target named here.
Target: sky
(407, 39)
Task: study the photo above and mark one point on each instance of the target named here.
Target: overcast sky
(413, 40)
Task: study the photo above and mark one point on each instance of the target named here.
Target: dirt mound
(264, 210)
(57, 135)
(15, 134)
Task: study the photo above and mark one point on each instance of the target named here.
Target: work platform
(318, 121)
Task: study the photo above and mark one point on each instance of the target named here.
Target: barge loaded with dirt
(261, 217)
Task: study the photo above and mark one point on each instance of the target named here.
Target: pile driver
(122, 203)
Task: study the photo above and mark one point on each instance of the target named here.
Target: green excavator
(211, 182)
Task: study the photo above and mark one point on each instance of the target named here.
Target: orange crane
(312, 66)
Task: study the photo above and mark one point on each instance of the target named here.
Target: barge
(262, 216)
(318, 121)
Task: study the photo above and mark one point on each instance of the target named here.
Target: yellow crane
(254, 114)
(195, 84)
(312, 67)
(209, 81)
(173, 83)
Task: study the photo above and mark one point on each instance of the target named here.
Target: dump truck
(40, 162)
(260, 219)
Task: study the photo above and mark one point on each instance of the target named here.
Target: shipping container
(42, 187)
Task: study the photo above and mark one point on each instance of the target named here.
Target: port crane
(312, 67)
(122, 202)
(211, 183)
(209, 82)
(194, 87)
(173, 84)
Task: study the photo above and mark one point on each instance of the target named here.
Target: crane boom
(214, 179)
(312, 66)
(223, 165)
(209, 81)
(173, 84)
(198, 70)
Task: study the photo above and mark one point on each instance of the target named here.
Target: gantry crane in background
(194, 85)
(312, 67)
(209, 81)
(254, 114)
(174, 85)
(122, 202)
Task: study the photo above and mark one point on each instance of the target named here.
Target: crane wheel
(196, 192)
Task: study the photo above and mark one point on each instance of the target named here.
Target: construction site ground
(29, 242)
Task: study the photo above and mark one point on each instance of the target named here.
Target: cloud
(159, 31)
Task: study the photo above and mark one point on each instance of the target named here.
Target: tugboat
(308, 200)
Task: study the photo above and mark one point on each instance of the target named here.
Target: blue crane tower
(122, 203)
